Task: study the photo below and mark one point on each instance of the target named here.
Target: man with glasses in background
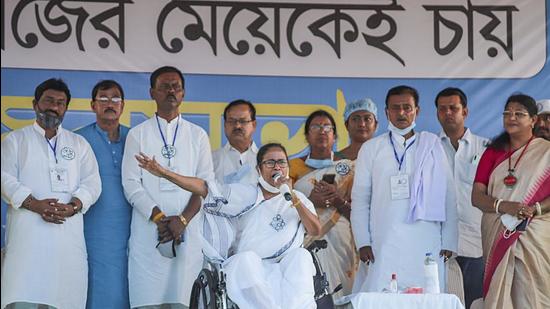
(403, 199)
(107, 224)
(165, 242)
(542, 127)
(236, 161)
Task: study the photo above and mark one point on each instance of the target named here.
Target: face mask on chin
(48, 120)
(266, 185)
(401, 132)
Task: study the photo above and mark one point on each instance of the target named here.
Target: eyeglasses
(517, 114)
(105, 100)
(407, 108)
(242, 122)
(321, 128)
(167, 87)
(358, 118)
(271, 163)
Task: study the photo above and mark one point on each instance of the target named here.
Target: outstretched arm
(191, 184)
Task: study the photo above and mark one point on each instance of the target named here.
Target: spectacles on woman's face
(271, 163)
(321, 128)
(517, 114)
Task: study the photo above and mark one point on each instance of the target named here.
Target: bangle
(297, 203)
(539, 209)
(158, 216)
(497, 204)
(183, 220)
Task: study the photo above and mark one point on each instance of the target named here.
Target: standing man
(404, 208)
(107, 224)
(160, 208)
(542, 127)
(50, 178)
(236, 161)
(463, 150)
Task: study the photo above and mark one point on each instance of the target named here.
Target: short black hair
(240, 102)
(403, 89)
(319, 113)
(107, 84)
(265, 148)
(450, 91)
(165, 69)
(52, 84)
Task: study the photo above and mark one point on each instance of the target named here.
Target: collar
(105, 135)
(253, 148)
(401, 140)
(467, 137)
(164, 122)
(42, 132)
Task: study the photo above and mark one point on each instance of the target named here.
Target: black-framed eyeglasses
(242, 122)
(167, 87)
(105, 100)
(321, 128)
(271, 163)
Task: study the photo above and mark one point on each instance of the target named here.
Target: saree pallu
(339, 260)
(517, 271)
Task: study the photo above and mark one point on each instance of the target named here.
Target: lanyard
(53, 148)
(162, 135)
(400, 161)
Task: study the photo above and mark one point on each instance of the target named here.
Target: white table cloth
(399, 301)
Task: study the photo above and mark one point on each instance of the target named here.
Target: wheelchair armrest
(317, 245)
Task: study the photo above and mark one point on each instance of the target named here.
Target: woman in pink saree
(512, 188)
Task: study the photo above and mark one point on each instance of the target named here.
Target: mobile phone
(329, 178)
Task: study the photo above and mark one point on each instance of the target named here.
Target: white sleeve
(361, 194)
(306, 202)
(449, 228)
(131, 178)
(13, 191)
(205, 168)
(89, 187)
(229, 200)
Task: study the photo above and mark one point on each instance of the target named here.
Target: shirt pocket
(467, 171)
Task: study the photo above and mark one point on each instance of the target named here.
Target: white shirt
(380, 222)
(44, 259)
(463, 163)
(230, 165)
(154, 279)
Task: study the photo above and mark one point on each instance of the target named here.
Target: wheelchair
(209, 289)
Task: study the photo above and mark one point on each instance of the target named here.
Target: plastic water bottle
(393, 283)
(431, 275)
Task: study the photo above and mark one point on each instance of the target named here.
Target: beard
(49, 119)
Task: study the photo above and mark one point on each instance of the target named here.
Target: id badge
(399, 187)
(166, 185)
(59, 176)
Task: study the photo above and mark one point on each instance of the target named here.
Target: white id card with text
(166, 185)
(399, 187)
(59, 176)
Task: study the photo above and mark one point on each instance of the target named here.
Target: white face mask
(401, 132)
(510, 222)
(266, 185)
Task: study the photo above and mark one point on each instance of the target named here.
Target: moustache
(238, 131)
(109, 110)
(51, 112)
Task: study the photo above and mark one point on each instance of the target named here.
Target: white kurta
(380, 222)
(232, 166)
(44, 260)
(463, 163)
(154, 279)
(269, 269)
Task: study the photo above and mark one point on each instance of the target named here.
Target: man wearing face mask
(235, 161)
(402, 207)
(542, 127)
(107, 224)
(50, 178)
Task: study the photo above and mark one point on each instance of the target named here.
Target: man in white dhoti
(160, 210)
(269, 269)
(236, 161)
(403, 200)
(50, 177)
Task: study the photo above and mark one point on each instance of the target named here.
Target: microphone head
(276, 176)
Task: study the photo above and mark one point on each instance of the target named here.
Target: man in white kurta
(382, 214)
(236, 161)
(45, 262)
(269, 268)
(183, 147)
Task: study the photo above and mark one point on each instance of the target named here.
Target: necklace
(511, 180)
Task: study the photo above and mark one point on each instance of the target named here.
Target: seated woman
(512, 188)
(269, 268)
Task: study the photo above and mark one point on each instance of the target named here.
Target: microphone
(285, 190)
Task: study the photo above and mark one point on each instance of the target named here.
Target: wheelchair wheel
(203, 292)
